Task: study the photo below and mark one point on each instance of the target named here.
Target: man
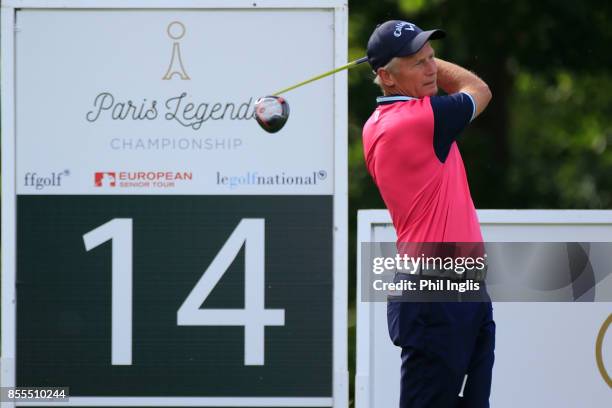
(410, 152)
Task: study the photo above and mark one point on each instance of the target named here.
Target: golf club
(272, 111)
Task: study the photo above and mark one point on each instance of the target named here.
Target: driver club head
(271, 113)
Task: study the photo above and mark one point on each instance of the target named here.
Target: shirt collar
(385, 100)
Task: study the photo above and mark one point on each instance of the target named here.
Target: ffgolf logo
(402, 26)
(40, 182)
(176, 31)
(105, 179)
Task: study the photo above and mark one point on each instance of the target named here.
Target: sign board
(159, 248)
(546, 354)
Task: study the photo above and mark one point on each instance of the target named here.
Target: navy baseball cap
(396, 38)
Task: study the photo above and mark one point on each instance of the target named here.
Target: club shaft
(333, 71)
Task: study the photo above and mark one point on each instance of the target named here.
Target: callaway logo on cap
(402, 25)
(396, 38)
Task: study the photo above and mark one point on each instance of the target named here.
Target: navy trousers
(441, 342)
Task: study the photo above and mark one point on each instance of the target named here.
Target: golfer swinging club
(410, 152)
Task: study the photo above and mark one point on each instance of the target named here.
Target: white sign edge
(153, 4)
(9, 237)
(340, 231)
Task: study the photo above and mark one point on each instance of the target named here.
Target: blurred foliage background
(544, 140)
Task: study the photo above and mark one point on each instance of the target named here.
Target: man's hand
(452, 79)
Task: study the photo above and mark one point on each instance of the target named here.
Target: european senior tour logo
(181, 108)
(141, 179)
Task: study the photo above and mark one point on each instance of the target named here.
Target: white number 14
(254, 317)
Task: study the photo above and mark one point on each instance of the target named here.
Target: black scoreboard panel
(64, 296)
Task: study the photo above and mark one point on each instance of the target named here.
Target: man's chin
(431, 90)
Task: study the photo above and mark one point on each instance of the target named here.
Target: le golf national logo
(141, 179)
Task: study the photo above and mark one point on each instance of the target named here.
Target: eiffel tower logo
(176, 31)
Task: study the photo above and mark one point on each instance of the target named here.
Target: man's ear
(385, 77)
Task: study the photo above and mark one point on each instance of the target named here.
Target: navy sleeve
(452, 113)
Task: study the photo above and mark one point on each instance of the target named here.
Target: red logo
(141, 179)
(105, 179)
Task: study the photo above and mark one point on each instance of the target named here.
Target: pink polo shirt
(411, 153)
